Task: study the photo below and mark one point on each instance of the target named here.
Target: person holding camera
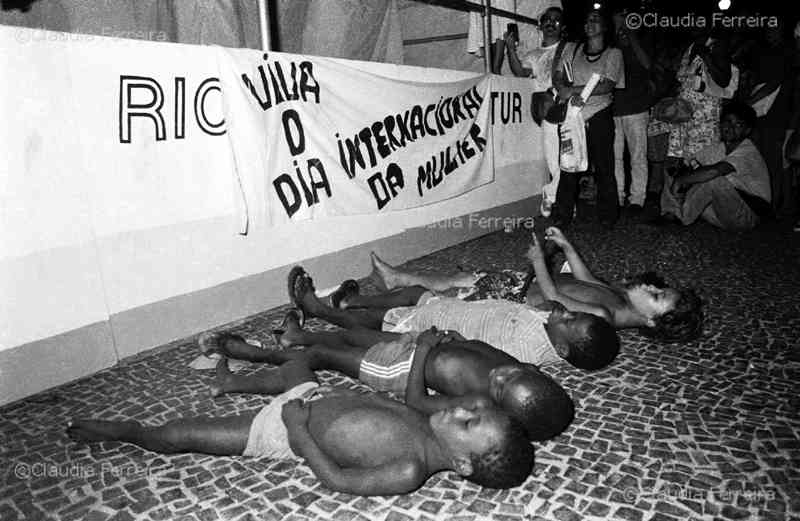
(538, 65)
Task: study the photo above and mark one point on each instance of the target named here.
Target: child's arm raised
(417, 395)
(576, 264)
(549, 290)
(394, 477)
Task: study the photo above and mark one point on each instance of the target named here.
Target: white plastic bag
(573, 154)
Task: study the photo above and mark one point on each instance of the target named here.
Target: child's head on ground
(582, 339)
(673, 314)
(484, 445)
(682, 323)
(533, 398)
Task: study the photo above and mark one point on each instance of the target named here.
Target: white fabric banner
(316, 137)
(131, 133)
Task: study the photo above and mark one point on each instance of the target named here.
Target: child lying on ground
(531, 336)
(455, 367)
(644, 302)
(364, 444)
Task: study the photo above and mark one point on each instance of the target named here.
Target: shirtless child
(455, 368)
(529, 335)
(644, 302)
(364, 444)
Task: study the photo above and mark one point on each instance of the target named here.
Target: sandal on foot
(296, 275)
(303, 285)
(348, 288)
(214, 342)
(294, 313)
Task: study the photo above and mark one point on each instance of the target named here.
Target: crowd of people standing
(685, 123)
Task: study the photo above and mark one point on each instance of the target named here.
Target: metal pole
(487, 36)
(262, 20)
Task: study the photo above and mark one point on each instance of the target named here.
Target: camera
(513, 29)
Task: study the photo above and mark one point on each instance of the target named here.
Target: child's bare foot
(384, 275)
(346, 290)
(222, 378)
(101, 430)
(214, 342)
(290, 331)
(466, 279)
(306, 298)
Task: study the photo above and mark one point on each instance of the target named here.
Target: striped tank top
(514, 328)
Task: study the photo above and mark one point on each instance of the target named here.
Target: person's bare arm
(394, 477)
(576, 264)
(549, 290)
(703, 174)
(604, 86)
(717, 62)
(417, 396)
(517, 68)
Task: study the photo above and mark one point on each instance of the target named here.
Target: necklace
(592, 57)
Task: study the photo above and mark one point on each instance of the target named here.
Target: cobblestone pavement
(704, 430)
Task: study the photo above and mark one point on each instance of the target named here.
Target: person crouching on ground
(729, 186)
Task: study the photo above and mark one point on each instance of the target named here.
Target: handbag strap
(557, 58)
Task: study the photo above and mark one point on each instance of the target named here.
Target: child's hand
(450, 336)
(511, 39)
(535, 251)
(555, 235)
(430, 337)
(295, 412)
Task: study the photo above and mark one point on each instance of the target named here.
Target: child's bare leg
(294, 335)
(224, 436)
(391, 277)
(312, 305)
(234, 346)
(270, 382)
(349, 338)
(396, 298)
